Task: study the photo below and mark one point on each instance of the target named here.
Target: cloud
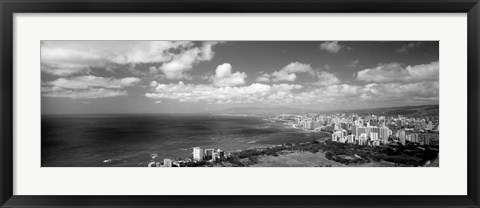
(394, 72)
(285, 94)
(405, 48)
(326, 67)
(83, 94)
(98, 53)
(265, 77)
(84, 82)
(87, 87)
(331, 46)
(180, 63)
(224, 77)
(287, 73)
(63, 69)
(221, 94)
(395, 92)
(354, 64)
(173, 58)
(325, 79)
(150, 52)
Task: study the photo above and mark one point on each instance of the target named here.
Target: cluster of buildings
(211, 155)
(367, 130)
(412, 137)
(166, 163)
(363, 135)
(199, 154)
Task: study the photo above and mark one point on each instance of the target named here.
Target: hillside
(424, 110)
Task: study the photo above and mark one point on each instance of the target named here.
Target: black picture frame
(10, 7)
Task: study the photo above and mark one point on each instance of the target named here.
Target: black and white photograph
(181, 103)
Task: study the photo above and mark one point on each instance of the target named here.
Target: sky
(96, 77)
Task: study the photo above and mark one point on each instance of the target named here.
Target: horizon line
(219, 111)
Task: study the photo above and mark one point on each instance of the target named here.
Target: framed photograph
(269, 103)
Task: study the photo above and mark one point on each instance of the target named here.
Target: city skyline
(195, 77)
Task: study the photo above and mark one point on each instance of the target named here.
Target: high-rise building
(373, 133)
(427, 141)
(215, 156)
(360, 130)
(350, 139)
(373, 136)
(167, 162)
(197, 154)
(354, 130)
(338, 136)
(221, 153)
(385, 132)
(344, 126)
(401, 135)
(309, 125)
(208, 154)
(414, 138)
(402, 140)
(337, 127)
(218, 154)
(362, 139)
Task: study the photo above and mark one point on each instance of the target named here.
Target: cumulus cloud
(224, 76)
(95, 53)
(410, 92)
(221, 94)
(414, 93)
(394, 72)
(331, 46)
(265, 77)
(87, 87)
(325, 79)
(173, 58)
(406, 48)
(180, 63)
(287, 73)
(63, 69)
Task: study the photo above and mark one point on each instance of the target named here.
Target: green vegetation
(409, 155)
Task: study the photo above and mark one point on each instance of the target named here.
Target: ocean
(131, 140)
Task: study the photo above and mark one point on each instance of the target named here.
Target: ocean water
(131, 140)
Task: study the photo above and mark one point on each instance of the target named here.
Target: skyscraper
(373, 133)
(167, 162)
(350, 138)
(197, 154)
(208, 154)
(401, 135)
(361, 130)
(384, 134)
(362, 140)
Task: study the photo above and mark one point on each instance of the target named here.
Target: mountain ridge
(407, 110)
